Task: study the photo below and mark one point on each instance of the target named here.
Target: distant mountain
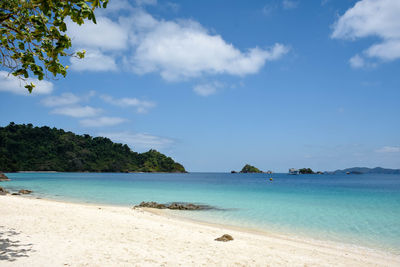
(365, 170)
(28, 148)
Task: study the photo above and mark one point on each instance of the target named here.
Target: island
(294, 171)
(365, 170)
(24, 147)
(250, 169)
(3, 177)
(306, 171)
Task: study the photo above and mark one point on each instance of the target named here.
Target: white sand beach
(37, 232)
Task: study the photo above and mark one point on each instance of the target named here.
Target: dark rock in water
(233, 172)
(3, 191)
(3, 177)
(16, 194)
(224, 238)
(24, 191)
(151, 204)
(173, 206)
(179, 206)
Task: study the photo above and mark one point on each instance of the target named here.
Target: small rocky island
(3, 177)
(250, 169)
(306, 171)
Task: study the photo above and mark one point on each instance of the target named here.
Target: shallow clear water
(358, 209)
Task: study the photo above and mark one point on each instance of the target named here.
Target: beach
(39, 232)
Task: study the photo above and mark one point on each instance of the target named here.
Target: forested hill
(27, 148)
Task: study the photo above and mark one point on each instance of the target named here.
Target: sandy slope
(36, 232)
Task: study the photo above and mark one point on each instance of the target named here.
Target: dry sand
(37, 232)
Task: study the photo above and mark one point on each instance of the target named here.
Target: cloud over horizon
(207, 89)
(77, 111)
(139, 140)
(102, 121)
(61, 100)
(141, 106)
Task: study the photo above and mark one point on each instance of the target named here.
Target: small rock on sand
(3, 191)
(3, 177)
(224, 238)
(24, 191)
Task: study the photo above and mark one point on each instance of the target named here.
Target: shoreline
(46, 225)
(288, 235)
(283, 234)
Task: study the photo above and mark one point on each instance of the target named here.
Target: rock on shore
(24, 191)
(172, 206)
(224, 238)
(3, 191)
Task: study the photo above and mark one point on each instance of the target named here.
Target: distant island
(306, 171)
(303, 171)
(354, 170)
(250, 169)
(28, 148)
(365, 170)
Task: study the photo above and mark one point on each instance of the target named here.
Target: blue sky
(218, 84)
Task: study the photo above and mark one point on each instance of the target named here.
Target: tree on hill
(27, 148)
(250, 169)
(33, 34)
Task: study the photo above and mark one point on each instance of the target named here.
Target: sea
(355, 209)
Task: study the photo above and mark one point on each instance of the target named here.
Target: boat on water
(293, 171)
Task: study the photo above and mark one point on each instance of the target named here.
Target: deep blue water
(358, 209)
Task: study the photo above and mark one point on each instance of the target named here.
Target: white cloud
(115, 6)
(268, 9)
(146, 2)
(389, 149)
(102, 121)
(207, 88)
(140, 105)
(367, 18)
(106, 34)
(388, 50)
(10, 83)
(61, 100)
(287, 4)
(177, 50)
(94, 60)
(139, 140)
(357, 61)
(185, 49)
(276, 52)
(77, 111)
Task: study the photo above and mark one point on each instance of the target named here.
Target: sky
(218, 84)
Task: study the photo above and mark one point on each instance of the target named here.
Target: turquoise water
(358, 209)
